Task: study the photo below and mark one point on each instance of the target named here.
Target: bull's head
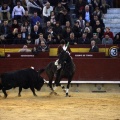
(39, 84)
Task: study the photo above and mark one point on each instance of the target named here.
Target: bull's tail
(41, 70)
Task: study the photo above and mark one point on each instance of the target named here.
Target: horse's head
(64, 56)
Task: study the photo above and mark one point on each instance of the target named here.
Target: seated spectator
(72, 40)
(67, 32)
(81, 22)
(4, 12)
(98, 25)
(64, 17)
(67, 24)
(86, 14)
(40, 39)
(65, 4)
(77, 29)
(94, 47)
(104, 6)
(25, 17)
(18, 11)
(24, 49)
(79, 7)
(96, 39)
(87, 24)
(51, 32)
(107, 40)
(108, 32)
(50, 40)
(15, 25)
(52, 18)
(46, 12)
(47, 26)
(88, 32)
(42, 47)
(19, 40)
(40, 29)
(35, 34)
(57, 28)
(117, 38)
(11, 36)
(83, 39)
(24, 33)
(99, 33)
(27, 27)
(4, 31)
(29, 40)
(35, 18)
(32, 6)
(97, 12)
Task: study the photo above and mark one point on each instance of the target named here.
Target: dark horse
(67, 70)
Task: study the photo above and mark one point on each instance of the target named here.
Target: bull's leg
(20, 89)
(33, 90)
(4, 91)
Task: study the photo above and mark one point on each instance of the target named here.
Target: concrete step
(111, 21)
(113, 10)
(112, 25)
(112, 16)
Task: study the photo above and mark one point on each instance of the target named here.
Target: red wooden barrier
(90, 69)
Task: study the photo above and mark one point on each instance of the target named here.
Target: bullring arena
(82, 105)
(95, 94)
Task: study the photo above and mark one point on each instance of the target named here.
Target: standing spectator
(46, 12)
(24, 34)
(94, 47)
(18, 11)
(52, 18)
(5, 11)
(35, 18)
(107, 40)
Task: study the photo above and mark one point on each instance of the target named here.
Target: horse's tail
(41, 70)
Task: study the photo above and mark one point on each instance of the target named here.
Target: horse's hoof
(56, 94)
(19, 95)
(35, 95)
(5, 96)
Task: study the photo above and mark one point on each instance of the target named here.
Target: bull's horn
(32, 67)
(45, 81)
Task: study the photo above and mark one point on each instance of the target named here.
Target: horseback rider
(62, 47)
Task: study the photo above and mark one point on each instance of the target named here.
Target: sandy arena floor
(81, 106)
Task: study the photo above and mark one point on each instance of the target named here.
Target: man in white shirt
(46, 12)
(18, 11)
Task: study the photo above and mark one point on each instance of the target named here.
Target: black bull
(25, 78)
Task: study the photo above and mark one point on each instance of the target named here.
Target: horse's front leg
(67, 88)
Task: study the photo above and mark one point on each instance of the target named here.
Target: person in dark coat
(94, 47)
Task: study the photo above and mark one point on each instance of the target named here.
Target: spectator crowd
(45, 22)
